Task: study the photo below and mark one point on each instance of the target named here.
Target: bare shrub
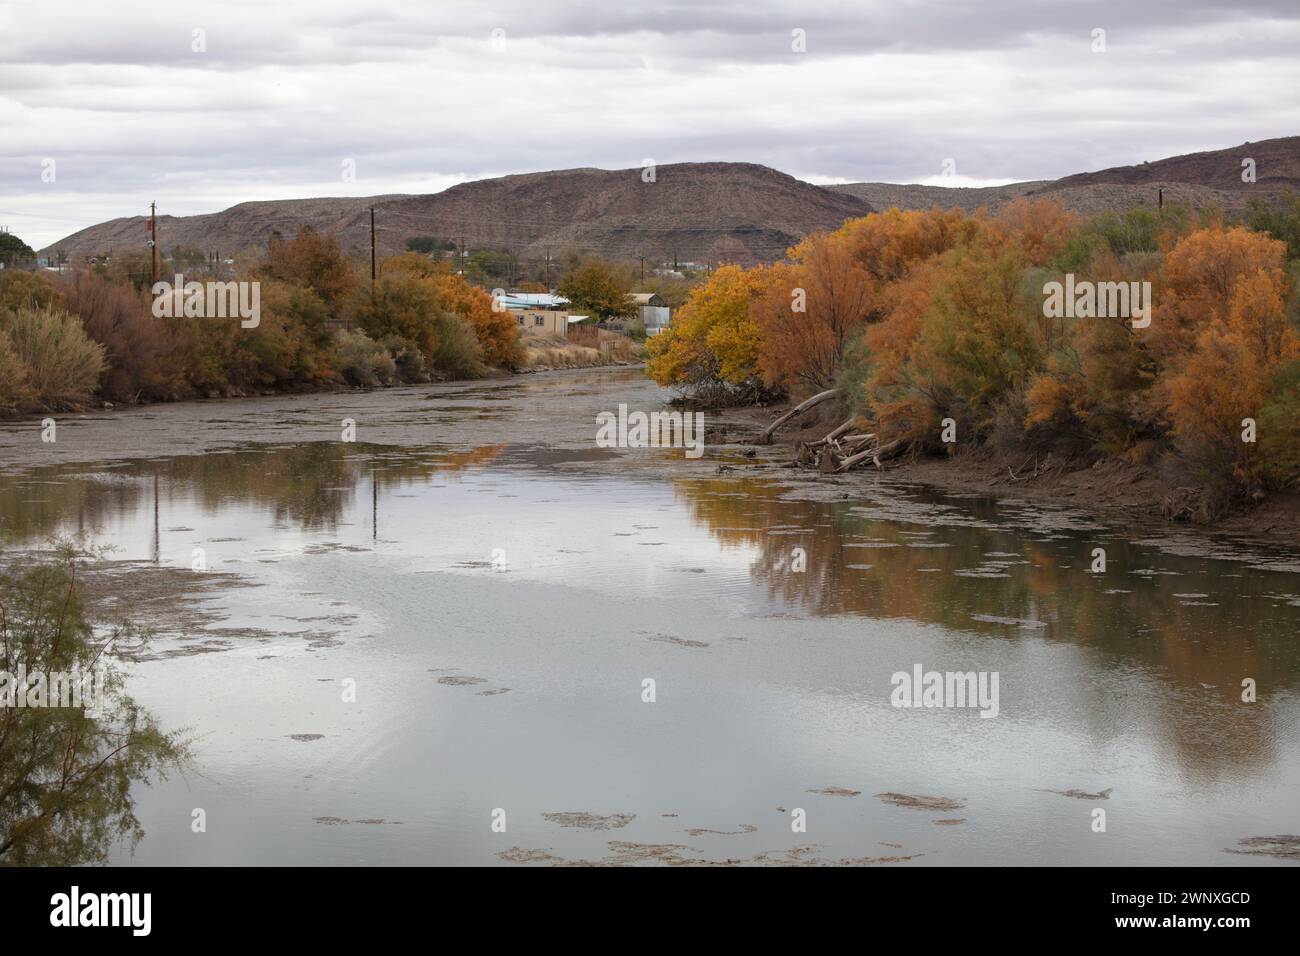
(137, 346)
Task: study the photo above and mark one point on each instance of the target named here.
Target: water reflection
(1189, 627)
(310, 485)
(1199, 626)
(73, 745)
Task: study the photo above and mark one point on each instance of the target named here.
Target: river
(433, 645)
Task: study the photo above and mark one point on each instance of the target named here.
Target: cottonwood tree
(598, 288)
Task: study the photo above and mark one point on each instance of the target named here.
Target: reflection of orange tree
(1200, 651)
(470, 458)
(308, 484)
(836, 538)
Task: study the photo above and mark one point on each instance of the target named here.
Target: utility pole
(548, 270)
(462, 255)
(153, 240)
(642, 270)
(372, 250)
(1161, 194)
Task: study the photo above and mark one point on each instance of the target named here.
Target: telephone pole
(153, 240)
(462, 255)
(372, 250)
(642, 258)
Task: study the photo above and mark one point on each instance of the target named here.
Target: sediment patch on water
(1285, 846)
(581, 820)
(915, 802)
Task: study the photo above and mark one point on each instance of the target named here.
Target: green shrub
(411, 366)
(20, 289)
(457, 352)
(13, 375)
(63, 364)
(68, 774)
(362, 361)
(1279, 430)
(1280, 218)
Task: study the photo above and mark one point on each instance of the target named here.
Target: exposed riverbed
(498, 590)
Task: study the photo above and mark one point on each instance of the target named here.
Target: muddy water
(499, 590)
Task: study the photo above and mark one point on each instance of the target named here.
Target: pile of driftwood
(844, 447)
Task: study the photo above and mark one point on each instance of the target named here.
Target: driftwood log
(837, 450)
(875, 454)
(765, 438)
(831, 455)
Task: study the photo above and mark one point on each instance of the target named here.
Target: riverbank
(1117, 490)
(536, 360)
(450, 414)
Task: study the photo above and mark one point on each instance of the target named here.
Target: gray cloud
(419, 97)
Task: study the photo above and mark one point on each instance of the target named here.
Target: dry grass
(586, 347)
(618, 347)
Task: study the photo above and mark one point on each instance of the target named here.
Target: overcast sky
(422, 96)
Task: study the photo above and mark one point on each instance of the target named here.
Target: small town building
(654, 313)
(538, 313)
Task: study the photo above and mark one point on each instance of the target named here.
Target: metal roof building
(533, 300)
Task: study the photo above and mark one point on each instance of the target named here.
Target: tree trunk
(873, 453)
(765, 438)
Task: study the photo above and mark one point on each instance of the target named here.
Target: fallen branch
(765, 438)
(839, 430)
(873, 453)
(1015, 477)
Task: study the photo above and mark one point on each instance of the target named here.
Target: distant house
(538, 313)
(542, 321)
(533, 300)
(655, 313)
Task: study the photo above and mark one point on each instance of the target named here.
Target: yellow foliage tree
(713, 337)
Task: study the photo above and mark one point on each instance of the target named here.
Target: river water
(432, 645)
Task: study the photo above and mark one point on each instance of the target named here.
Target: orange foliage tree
(496, 328)
(1227, 336)
(312, 259)
(809, 312)
(441, 290)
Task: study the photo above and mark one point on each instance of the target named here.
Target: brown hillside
(1211, 178)
(1277, 163)
(692, 211)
